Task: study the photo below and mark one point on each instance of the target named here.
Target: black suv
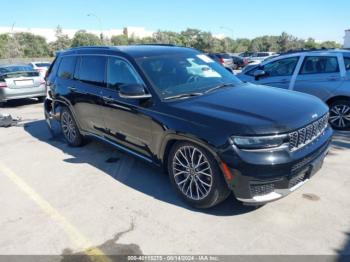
(177, 108)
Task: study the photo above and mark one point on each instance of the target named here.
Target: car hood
(251, 109)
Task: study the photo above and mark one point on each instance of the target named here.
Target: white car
(40, 67)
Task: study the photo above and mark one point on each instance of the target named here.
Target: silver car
(325, 74)
(20, 81)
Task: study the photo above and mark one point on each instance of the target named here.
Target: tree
(119, 40)
(62, 41)
(82, 38)
(31, 45)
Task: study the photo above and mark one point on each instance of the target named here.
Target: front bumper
(262, 177)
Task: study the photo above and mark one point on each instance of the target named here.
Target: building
(347, 39)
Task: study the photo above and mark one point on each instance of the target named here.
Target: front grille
(296, 180)
(260, 190)
(306, 135)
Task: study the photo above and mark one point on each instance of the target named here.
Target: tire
(41, 99)
(70, 129)
(203, 186)
(2, 104)
(339, 115)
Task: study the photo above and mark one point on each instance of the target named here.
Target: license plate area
(24, 83)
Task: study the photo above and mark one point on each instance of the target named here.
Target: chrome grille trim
(306, 135)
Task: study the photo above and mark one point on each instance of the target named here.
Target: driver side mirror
(135, 91)
(259, 74)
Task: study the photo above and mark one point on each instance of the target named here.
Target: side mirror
(259, 73)
(135, 91)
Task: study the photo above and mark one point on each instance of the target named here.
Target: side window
(120, 72)
(347, 63)
(319, 65)
(92, 70)
(281, 67)
(66, 68)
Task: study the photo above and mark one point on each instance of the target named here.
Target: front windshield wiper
(218, 87)
(185, 95)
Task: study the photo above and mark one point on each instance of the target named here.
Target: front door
(126, 120)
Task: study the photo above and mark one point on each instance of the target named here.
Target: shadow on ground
(341, 140)
(344, 253)
(19, 103)
(111, 249)
(126, 169)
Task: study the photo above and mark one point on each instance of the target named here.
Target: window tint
(282, 67)
(92, 70)
(120, 72)
(319, 65)
(347, 63)
(66, 69)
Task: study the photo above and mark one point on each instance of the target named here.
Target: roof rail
(301, 50)
(89, 47)
(157, 44)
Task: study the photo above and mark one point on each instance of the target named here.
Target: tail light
(222, 61)
(42, 81)
(245, 61)
(3, 85)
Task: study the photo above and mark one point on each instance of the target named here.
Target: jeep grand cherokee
(177, 108)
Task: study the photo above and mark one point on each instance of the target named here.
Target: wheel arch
(330, 101)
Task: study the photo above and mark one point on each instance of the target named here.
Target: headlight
(259, 142)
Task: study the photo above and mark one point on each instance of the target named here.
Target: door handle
(107, 99)
(72, 89)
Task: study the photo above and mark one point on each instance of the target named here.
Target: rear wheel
(196, 175)
(70, 129)
(339, 116)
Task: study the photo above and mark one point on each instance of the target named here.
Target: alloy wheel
(340, 116)
(192, 172)
(68, 127)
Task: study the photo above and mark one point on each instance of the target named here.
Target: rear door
(279, 73)
(319, 75)
(86, 92)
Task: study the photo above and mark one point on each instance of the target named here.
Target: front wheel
(339, 116)
(196, 175)
(70, 129)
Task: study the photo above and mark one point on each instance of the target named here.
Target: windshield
(173, 75)
(9, 69)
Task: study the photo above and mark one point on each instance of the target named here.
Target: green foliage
(119, 40)
(82, 38)
(30, 45)
(62, 41)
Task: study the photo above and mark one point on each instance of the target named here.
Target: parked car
(257, 57)
(224, 59)
(20, 81)
(325, 74)
(178, 109)
(40, 67)
(240, 62)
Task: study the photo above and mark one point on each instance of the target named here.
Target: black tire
(41, 99)
(339, 115)
(218, 190)
(70, 129)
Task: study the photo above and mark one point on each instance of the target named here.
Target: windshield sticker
(205, 58)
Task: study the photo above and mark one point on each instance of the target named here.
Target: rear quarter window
(347, 63)
(67, 67)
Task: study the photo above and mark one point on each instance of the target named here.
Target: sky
(319, 19)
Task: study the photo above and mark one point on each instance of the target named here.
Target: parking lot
(60, 200)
